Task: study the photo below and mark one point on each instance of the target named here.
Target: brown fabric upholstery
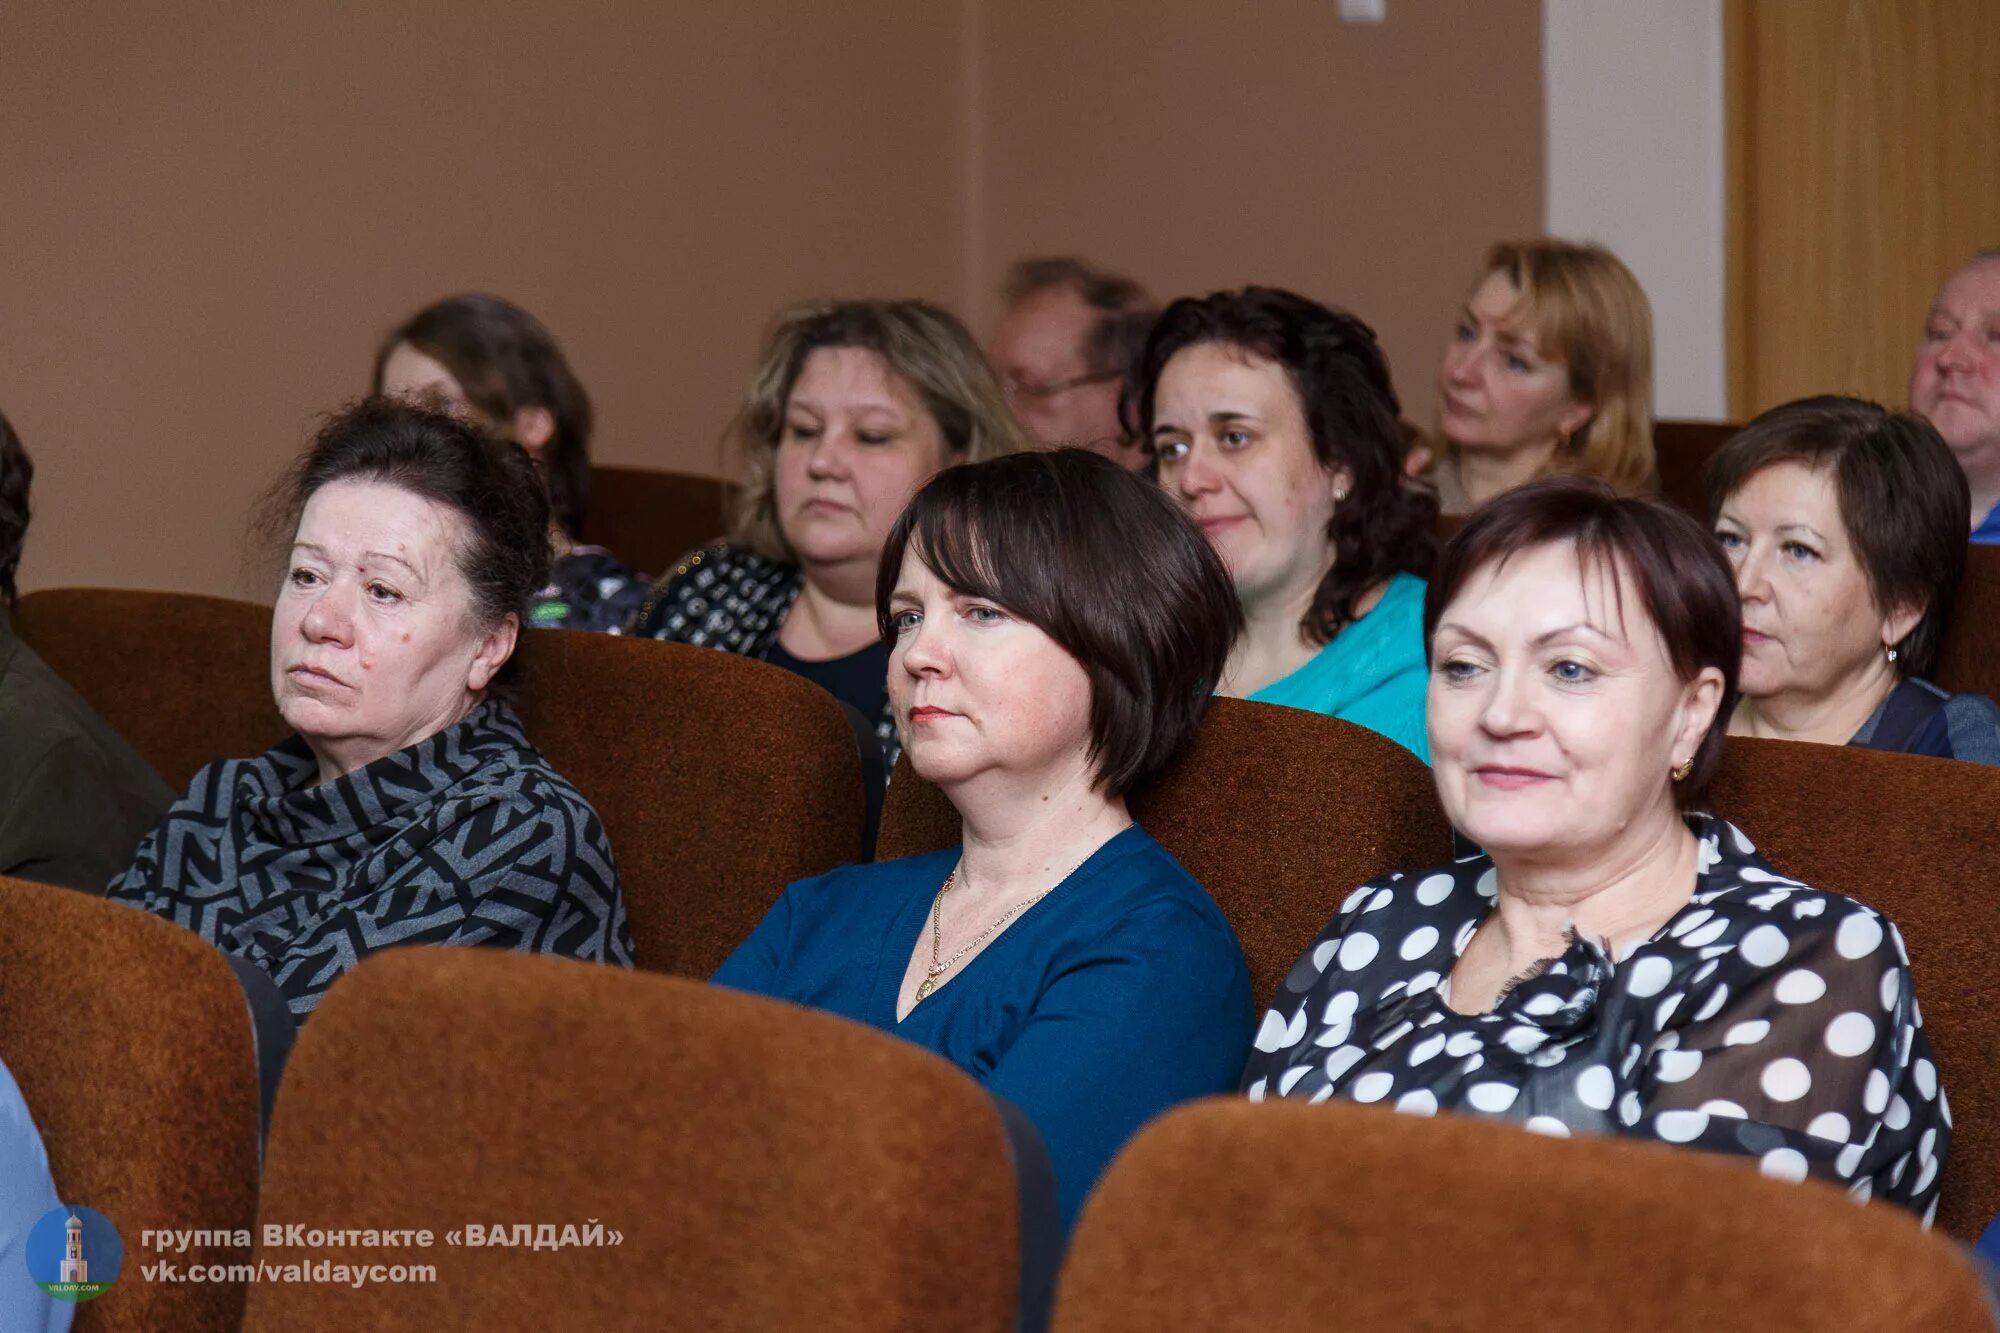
(1971, 663)
(769, 1167)
(1278, 813)
(186, 679)
(719, 779)
(1920, 840)
(1683, 449)
(651, 519)
(1283, 1217)
(130, 1040)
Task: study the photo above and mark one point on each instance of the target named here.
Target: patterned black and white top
(1765, 1019)
(465, 838)
(735, 600)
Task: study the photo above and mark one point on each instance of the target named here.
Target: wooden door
(1864, 164)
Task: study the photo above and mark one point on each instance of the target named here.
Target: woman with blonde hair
(1549, 370)
(854, 406)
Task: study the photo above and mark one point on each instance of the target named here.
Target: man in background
(1955, 382)
(1064, 342)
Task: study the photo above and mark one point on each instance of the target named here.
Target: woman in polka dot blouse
(1613, 963)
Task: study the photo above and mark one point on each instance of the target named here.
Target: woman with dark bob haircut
(1275, 426)
(1613, 963)
(1846, 525)
(409, 808)
(485, 358)
(1054, 631)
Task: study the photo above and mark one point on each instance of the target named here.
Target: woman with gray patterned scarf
(409, 808)
(855, 405)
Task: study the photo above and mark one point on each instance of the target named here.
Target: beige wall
(1204, 145)
(214, 210)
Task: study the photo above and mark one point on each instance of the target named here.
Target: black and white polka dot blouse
(1766, 1019)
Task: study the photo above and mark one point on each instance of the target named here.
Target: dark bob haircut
(1684, 581)
(506, 360)
(491, 484)
(1337, 369)
(17, 478)
(1102, 562)
(1902, 495)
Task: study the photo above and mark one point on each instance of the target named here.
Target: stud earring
(1680, 774)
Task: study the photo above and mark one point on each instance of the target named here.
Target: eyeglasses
(1014, 388)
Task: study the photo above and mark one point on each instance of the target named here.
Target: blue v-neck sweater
(1119, 994)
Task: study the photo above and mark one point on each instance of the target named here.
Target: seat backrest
(763, 1166)
(1225, 1214)
(1971, 663)
(719, 779)
(131, 1043)
(1917, 839)
(1682, 450)
(1278, 813)
(185, 678)
(650, 519)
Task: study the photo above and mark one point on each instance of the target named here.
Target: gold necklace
(937, 969)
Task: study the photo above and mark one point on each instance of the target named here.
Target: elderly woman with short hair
(1845, 523)
(1054, 629)
(410, 807)
(854, 406)
(1612, 963)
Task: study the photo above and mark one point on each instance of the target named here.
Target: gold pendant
(924, 989)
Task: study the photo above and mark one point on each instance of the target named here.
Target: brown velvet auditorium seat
(768, 1167)
(1278, 813)
(1919, 839)
(186, 679)
(719, 779)
(1682, 449)
(1285, 1217)
(651, 519)
(1971, 662)
(131, 1043)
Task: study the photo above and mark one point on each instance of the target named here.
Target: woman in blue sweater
(1055, 629)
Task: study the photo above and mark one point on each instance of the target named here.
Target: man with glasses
(1068, 333)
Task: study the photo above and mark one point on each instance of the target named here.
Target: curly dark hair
(1336, 366)
(505, 360)
(17, 477)
(492, 484)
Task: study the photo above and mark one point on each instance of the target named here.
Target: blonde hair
(923, 344)
(1585, 308)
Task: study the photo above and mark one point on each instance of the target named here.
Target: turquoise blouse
(1372, 673)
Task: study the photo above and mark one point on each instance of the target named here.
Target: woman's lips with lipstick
(1753, 637)
(926, 713)
(1214, 523)
(1510, 778)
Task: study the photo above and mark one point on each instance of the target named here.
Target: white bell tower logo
(74, 1267)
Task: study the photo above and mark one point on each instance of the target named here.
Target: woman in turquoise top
(1055, 629)
(1276, 429)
